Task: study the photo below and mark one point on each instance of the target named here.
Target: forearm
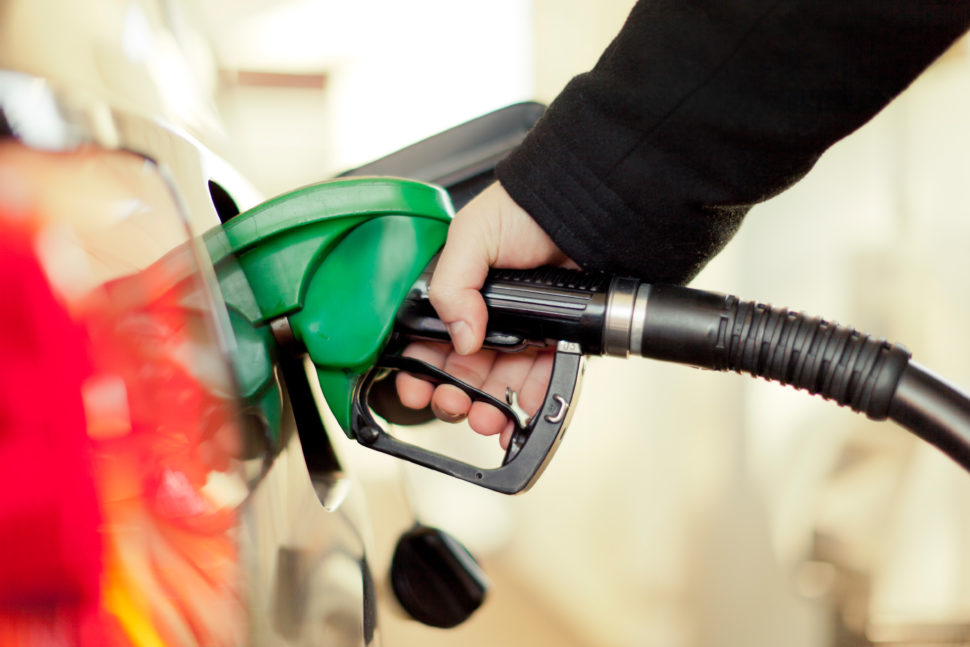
(698, 110)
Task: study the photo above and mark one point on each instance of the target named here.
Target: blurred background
(684, 508)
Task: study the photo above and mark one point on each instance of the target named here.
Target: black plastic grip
(525, 308)
(548, 304)
(723, 333)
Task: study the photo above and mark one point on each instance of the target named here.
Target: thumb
(461, 271)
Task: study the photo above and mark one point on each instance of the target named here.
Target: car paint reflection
(209, 528)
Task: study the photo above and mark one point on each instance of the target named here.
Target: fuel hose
(618, 316)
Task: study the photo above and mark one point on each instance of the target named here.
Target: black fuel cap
(435, 578)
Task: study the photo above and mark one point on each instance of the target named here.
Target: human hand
(491, 231)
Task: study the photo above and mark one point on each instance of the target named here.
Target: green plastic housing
(336, 260)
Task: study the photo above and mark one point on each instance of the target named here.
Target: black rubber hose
(726, 334)
(839, 363)
(934, 410)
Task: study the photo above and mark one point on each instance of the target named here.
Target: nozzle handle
(536, 307)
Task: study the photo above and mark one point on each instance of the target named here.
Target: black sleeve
(700, 109)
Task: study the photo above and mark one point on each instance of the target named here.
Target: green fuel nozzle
(327, 266)
(322, 272)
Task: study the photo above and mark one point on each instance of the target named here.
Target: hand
(491, 231)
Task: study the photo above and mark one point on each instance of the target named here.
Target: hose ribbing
(837, 362)
(724, 333)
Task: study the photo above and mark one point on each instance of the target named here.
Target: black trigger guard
(531, 446)
(436, 376)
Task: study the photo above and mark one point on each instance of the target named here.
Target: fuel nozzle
(338, 273)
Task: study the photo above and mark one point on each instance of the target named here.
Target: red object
(50, 550)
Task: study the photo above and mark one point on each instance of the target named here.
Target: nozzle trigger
(533, 440)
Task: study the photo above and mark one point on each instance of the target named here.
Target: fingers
(526, 373)
(533, 390)
(414, 392)
(509, 371)
(450, 403)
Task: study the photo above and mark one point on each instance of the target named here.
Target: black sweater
(700, 109)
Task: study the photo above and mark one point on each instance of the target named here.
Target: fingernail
(461, 336)
(446, 416)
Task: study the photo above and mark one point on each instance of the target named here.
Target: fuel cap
(435, 578)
